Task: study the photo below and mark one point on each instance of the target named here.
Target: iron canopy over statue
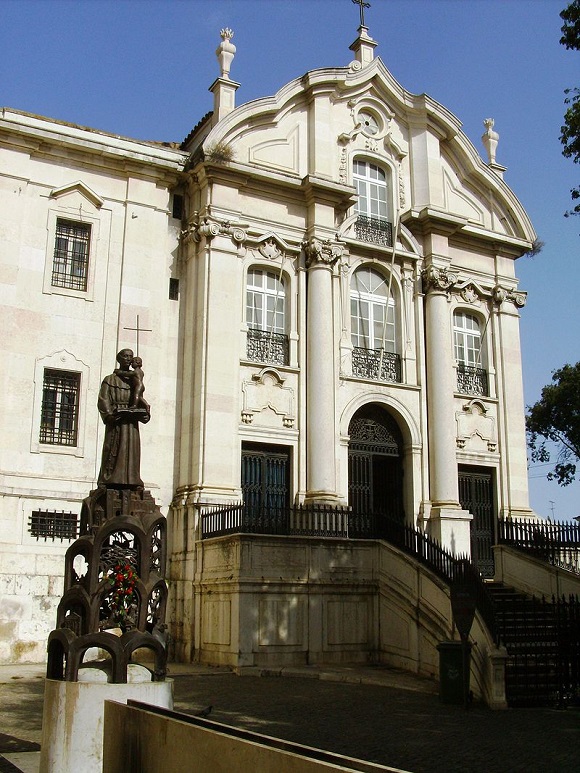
(122, 407)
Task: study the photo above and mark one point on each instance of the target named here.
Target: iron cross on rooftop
(362, 5)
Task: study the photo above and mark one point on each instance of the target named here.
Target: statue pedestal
(72, 721)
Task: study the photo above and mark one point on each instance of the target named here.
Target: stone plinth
(72, 722)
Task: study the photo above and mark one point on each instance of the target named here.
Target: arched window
(373, 327)
(373, 203)
(266, 317)
(471, 375)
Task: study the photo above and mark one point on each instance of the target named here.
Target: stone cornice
(45, 137)
(460, 230)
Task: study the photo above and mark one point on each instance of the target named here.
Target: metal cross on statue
(362, 5)
(138, 330)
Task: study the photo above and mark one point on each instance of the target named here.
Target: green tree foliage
(555, 418)
(570, 132)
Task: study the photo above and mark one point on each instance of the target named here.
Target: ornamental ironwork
(471, 380)
(263, 346)
(374, 230)
(376, 364)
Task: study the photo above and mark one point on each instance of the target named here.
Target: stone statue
(122, 407)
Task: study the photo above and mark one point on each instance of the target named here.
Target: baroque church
(321, 285)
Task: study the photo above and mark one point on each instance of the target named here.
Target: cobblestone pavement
(401, 728)
(405, 728)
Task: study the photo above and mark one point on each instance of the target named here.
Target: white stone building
(328, 311)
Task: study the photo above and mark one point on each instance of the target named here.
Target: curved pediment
(317, 124)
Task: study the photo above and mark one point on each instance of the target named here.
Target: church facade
(322, 287)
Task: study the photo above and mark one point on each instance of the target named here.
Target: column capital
(322, 252)
(438, 279)
(207, 228)
(501, 294)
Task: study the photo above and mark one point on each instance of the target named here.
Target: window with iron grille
(373, 329)
(53, 524)
(60, 406)
(471, 376)
(71, 255)
(266, 318)
(372, 205)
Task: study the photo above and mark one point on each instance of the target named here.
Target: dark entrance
(375, 469)
(265, 476)
(476, 495)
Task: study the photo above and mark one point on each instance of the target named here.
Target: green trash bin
(454, 671)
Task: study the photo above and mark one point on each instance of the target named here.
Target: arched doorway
(375, 465)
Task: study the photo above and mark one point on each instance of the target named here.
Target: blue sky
(142, 68)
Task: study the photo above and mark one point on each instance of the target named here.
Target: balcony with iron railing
(374, 230)
(267, 347)
(376, 364)
(472, 380)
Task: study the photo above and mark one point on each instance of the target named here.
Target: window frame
(59, 412)
(72, 244)
(470, 354)
(65, 362)
(374, 302)
(59, 212)
(465, 333)
(368, 182)
(266, 294)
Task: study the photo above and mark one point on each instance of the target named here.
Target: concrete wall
(138, 739)
(263, 602)
(530, 575)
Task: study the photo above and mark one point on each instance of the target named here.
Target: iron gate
(375, 470)
(265, 476)
(476, 495)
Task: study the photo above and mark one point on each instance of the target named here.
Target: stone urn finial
(490, 139)
(225, 52)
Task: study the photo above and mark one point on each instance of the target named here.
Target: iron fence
(542, 639)
(556, 543)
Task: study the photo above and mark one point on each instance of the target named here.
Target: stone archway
(375, 463)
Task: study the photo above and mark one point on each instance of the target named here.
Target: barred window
(71, 255)
(60, 406)
(52, 524)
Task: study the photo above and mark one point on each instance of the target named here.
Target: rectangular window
(177, 208)
(53, 525)
(60, 405)
(173, 289)
(70, 263)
